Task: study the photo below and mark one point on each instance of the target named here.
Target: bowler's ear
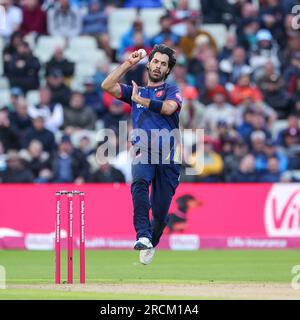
(147, 65)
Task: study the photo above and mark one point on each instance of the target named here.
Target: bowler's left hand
(135, 92)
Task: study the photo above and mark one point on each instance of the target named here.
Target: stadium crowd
(239, 93)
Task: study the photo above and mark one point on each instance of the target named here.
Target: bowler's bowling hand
(134, 58)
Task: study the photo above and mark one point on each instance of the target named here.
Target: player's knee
(139, 185)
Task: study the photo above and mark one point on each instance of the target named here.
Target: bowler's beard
(156, 79)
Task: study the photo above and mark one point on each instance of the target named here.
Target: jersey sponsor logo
(159, 93)
(139, 106)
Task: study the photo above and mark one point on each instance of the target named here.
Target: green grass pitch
(122, 267)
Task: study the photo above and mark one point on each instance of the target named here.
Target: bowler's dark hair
(162, 48)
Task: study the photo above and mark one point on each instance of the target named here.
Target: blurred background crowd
(238, 69)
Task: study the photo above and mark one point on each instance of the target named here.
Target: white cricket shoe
(143, 244)
(146, 256)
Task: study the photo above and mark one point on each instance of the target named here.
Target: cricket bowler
(155, 107)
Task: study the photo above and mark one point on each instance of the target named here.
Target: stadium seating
(93, 56)
(4, 83)
(84, 69)
(119, 22)
(82, 43)
(150, 18)
(4, 97)
(46, 46)
(277, 126)
(32, 97)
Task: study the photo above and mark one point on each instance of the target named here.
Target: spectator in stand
(52, 112)
(257, 143)
(179, 74)
(37, 161)
(19, 118)
(40, 133)
(202, 52)
(287, 5)
(219, 110)
(291, 137)
(77, 116)
(271, 150)
(127, 39)
(106, 173)
(246, 33)
(259, 123)
(92, 97)
(212, 169)
(292, 73)
(211, 84)
(229, 46)
(64, 20)
(34, 18)
(248, 15)
(111, 4)
(136, 74)
(272, 174)
(15, 171)
(246, 171)
(23, 69)
(181, 11)
(192, 111)
(214, 11)
(232, 68)
(266, 50)
(139, 42)
(292, 43)
(210, 64)
(69, 164)
(105, 45)
(59, 62)
(13, 18)
(8, 134)
(86, 145)
(165, 32)
(246, 125)
(292, 126)
(187, 43)
(60, 93)
(275, 96)
(295, 99)
(95, 21)
(116, 114)
(291, 141)
(271, 16)
(243, 87)
(144, 4)
(248, 102)
(10, 50)
(232, 159)
(263, 77)
(15, 94)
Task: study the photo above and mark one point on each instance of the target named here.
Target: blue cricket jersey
(143, 118)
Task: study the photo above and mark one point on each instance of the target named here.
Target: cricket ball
(142, 53)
